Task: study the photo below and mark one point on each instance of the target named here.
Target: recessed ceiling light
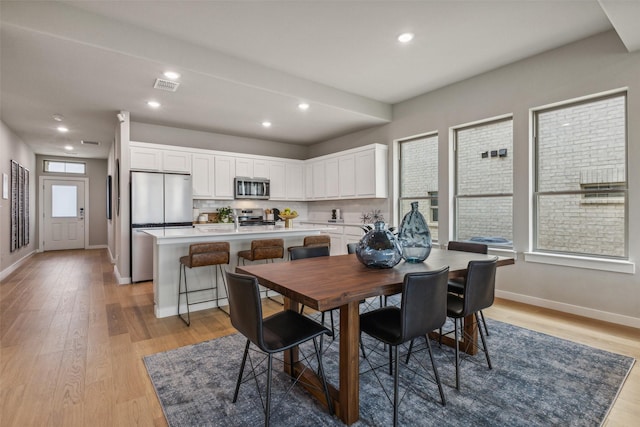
(405, 37)
(63, 129)
(172, 75)
(303, 106)
(58, 117)
(68, 147)
(266, 124)
(153, 104)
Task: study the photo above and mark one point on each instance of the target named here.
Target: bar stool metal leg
(183, 272)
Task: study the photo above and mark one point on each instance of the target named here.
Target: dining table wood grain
(342, 282)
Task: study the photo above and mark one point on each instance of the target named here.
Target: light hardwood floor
(72, 342)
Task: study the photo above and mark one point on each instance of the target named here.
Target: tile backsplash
(351, 210)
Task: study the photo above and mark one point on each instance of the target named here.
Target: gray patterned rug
(536, 380)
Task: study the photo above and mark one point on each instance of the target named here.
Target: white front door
(64, 214)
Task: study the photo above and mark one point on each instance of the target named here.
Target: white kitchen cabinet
(308, 181)
(176, 161)
(347, 173)
(319, 189)
(224, 173)
(244, 167)
(145, 159)
(294, 181)
(159, 160)
(260, 169)
(371, 172)
(277, 181)
(203, 176)
(332, 178)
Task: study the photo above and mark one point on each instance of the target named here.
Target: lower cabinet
(340, 237)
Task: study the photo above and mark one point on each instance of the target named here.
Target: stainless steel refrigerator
(158, 201)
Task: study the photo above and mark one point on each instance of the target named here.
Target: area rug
(536, 380)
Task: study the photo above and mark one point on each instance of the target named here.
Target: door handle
(81, 213)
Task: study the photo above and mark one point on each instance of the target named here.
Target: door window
(64, 201)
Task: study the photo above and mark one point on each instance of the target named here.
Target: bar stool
(315, 240)
(202, 255)
(266, 249)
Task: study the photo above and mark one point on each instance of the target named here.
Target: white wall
(594, 65)
(13, 148)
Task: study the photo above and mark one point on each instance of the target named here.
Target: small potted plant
(225, 214)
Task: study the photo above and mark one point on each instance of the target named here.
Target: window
(484, 183)
(580, 183)
(64, 167)
(419, 179)
(64, 201)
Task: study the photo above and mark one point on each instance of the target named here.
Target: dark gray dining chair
(274, 334)
(478, 293)
(456, 285)
(422, 310)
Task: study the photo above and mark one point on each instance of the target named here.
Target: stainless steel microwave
(251, 188)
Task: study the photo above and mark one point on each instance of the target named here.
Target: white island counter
(171, 244)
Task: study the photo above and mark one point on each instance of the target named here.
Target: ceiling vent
(83, 142)
(167, 85)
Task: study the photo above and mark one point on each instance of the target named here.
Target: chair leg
(435, 371)
(226, 291)
(395, 384)
(486, 330)
(267, 414)
(333, 329)
(183, 272)
(244, 361)
(409, 352)
(391, 359)
(455, 328)
(324, 379)
(484, 342)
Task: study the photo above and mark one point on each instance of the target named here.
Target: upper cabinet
(159, 160)
(224, 174)
(203, 176)
(294, 180)
(351, 174)
(347, 173)
(357, 173)
(371, 173)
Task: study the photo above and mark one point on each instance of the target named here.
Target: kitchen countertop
(326, 222)
(226, 232)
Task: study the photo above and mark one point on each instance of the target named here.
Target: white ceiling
(243, 62)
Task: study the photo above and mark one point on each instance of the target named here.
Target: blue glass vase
(379, 248)
(414, 236)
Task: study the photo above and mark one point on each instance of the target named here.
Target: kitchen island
(170, 244)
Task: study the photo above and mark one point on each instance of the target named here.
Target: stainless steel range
(249, 217)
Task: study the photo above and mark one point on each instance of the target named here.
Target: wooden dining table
(331, 282)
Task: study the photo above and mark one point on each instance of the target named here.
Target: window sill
(603, 264)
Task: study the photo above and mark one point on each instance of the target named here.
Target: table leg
(349, 393)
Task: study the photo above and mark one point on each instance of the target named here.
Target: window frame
(456, 180)
(46, 162)
(400, 198)
(535, 193)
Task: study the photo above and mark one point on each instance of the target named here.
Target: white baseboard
(121, 280)
(97, 247)
(13, 267)
(591, 313)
